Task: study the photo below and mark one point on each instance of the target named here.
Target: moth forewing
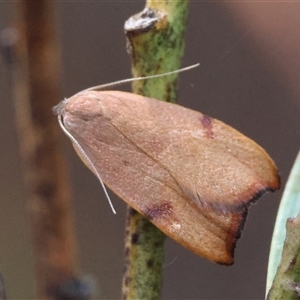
(193, 176)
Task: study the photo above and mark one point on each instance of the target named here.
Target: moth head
(78, 106)
(81, 107)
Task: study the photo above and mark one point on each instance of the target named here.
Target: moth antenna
(106, 85)
(71, 137)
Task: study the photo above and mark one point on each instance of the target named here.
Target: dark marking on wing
(223, 206)
(207, 123)
(234, 233)
(159, 211)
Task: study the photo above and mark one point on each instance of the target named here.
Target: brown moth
(193, 176)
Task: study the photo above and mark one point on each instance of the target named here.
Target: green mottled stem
(156, 45)
(144, 250)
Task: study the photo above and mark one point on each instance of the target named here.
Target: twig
(156, 45)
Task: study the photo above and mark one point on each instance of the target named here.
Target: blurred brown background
(249, 78)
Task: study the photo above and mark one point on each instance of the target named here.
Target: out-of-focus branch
(37, 89)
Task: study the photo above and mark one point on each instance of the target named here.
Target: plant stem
(156, 45)
(284, 258)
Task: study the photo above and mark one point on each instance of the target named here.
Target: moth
(191, 175)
